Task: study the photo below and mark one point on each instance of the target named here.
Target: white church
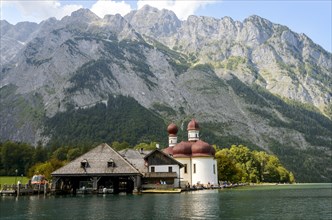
(197, 156)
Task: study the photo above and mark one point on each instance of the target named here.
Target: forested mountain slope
(85, 78)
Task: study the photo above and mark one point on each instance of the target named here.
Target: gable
(101, 160)
(157, 157)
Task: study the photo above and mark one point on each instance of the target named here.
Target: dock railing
(26, 189)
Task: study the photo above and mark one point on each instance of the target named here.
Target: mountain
(85, 78)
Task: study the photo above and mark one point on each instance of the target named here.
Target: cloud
(41, 10)
(38, 10)
(104, 7)
(182, 8)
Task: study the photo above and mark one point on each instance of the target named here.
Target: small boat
(38, 180)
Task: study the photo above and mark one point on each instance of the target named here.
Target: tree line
(235, 164)
(239, 164)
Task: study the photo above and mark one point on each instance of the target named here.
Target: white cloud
(182, 8)
(40, 10)
(104, 7)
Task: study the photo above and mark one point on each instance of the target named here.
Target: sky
(313, 18)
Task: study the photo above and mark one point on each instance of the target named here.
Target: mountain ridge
(247, 81)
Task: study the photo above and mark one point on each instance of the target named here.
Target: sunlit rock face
(174, 68)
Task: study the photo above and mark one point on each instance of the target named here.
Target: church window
(170, 169)
(185, 168)
(194, 168)
(152, 169)
(214, 169)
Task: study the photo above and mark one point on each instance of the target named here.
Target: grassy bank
(13, 180)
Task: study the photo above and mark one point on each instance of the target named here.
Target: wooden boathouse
(104, 170)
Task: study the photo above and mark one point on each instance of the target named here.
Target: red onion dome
(172, 129)
(182, 149)
(193, 125)
(168, 150)
(201, 148)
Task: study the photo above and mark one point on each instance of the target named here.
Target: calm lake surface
(300, 201)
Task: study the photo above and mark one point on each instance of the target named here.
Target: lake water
(300, 201)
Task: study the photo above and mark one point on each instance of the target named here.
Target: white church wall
(185, 176)
(204, 170)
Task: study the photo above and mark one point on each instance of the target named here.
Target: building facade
(197, 156)
(104, 170)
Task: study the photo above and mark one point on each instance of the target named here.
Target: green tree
(120, 146)
(227, 168)
(145, 146)
(40, 154)
(261, 157)
(60, 153)
(239, 164)
(73, 153)
(16, 156)
(46, 168)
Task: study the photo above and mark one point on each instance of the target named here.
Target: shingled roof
(164, 160)
(136, 158)
(102, 160)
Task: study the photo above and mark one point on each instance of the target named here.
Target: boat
(38, 180)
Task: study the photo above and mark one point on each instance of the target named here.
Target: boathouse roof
(136, 158)
(101, 160)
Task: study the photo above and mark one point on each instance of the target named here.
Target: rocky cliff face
(256, 51)
(223, 72)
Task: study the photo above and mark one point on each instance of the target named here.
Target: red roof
(172, 129)
(168, 150)
(193, 125)
(188, 148)
(201, 148)
(191, 149)
(182, 149)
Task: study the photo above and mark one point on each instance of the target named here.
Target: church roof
(193, 125)
(201, 148)
(168, 150)
(182, 149)
(172, 129)
(190, 149)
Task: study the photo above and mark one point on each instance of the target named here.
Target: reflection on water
(264, 202)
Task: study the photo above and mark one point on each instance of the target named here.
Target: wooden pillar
(95, 183)
(18, 189)
(137, 183)
(55, 182)
(45, 188)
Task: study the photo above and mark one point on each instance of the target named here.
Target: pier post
(18, 189)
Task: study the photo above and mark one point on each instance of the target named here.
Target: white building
(197, 156)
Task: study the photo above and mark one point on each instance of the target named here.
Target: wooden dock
(20, 190)
(161, 191)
